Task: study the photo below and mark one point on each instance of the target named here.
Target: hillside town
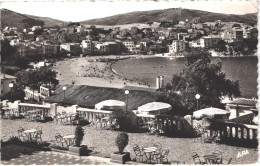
(169, 37)
(63, 101)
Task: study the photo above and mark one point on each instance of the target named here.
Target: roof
(246, 102)
(244, 119)
(88, 96)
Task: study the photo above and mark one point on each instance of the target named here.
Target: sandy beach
(93, 71)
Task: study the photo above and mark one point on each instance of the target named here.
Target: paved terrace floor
(103, 143)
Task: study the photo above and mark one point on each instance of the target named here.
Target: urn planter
(120, 158)
(79, 151)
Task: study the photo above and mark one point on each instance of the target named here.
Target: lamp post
(197, 97)
(126, 92)
(64, 89)
(11, 85)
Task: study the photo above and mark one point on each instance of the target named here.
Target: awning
(110, 105)
(154, 106)
(210, 113)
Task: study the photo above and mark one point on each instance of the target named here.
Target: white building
(130, 45)
(177, 46)
(88, 46)
(206, 41)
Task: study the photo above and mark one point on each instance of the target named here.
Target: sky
(80, 10)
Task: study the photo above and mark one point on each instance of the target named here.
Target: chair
(159, 148)
(226, 161)
(163, 157)
(139, 155)
(218, 154)
(37, 136)
(196, 159)
(59, 139)
(21, 134)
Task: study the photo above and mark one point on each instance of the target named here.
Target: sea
(243, 69)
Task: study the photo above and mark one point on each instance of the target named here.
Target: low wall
(93, 115)
(173, 125)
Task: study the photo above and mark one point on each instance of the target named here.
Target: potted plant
(77, 148)
(121, 156)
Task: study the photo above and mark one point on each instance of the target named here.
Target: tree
(35, 78)
(17, 93)
(6, 49)
(200, 76)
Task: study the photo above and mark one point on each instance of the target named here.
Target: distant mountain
(170, 14)
(14, 19)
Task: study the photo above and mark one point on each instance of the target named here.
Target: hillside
(11, 18)
(48, 22)
(170, 14)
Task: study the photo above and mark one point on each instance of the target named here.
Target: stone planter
(58, 150)
(120, 158)
(79, 151)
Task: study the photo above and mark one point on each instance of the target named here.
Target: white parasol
(154, 106)
(210, 112)
(110, 105)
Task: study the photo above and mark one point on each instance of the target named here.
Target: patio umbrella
(110, 105)
(155, 106)
(210, 113)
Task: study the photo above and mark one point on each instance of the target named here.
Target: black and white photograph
(129, 82)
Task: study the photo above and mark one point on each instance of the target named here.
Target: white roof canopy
(110, 104)
(209, 112)
(154, 106)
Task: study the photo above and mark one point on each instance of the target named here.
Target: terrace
(102, 142)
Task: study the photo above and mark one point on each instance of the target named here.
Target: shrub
(14, 140)
(79, 134)
(121, 141)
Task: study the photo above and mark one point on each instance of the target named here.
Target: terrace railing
(92, 115)
(170, 125)
(236, 132)
(24, 107)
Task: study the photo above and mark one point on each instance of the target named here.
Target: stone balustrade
(236, 132)
(164, 124)
(24, 107)
(93, 115)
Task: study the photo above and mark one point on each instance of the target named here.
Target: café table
(148, 152)
(69, 138)
(211, 159)
(29, 133)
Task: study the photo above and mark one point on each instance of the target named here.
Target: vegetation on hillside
(13, 19)
(170, 14)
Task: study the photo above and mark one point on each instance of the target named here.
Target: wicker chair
(21, 135)
(218, 154)
(159, 149)
(163, 158)
(59, 139)
(196, 159)
(37, 136)
(138, 153)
